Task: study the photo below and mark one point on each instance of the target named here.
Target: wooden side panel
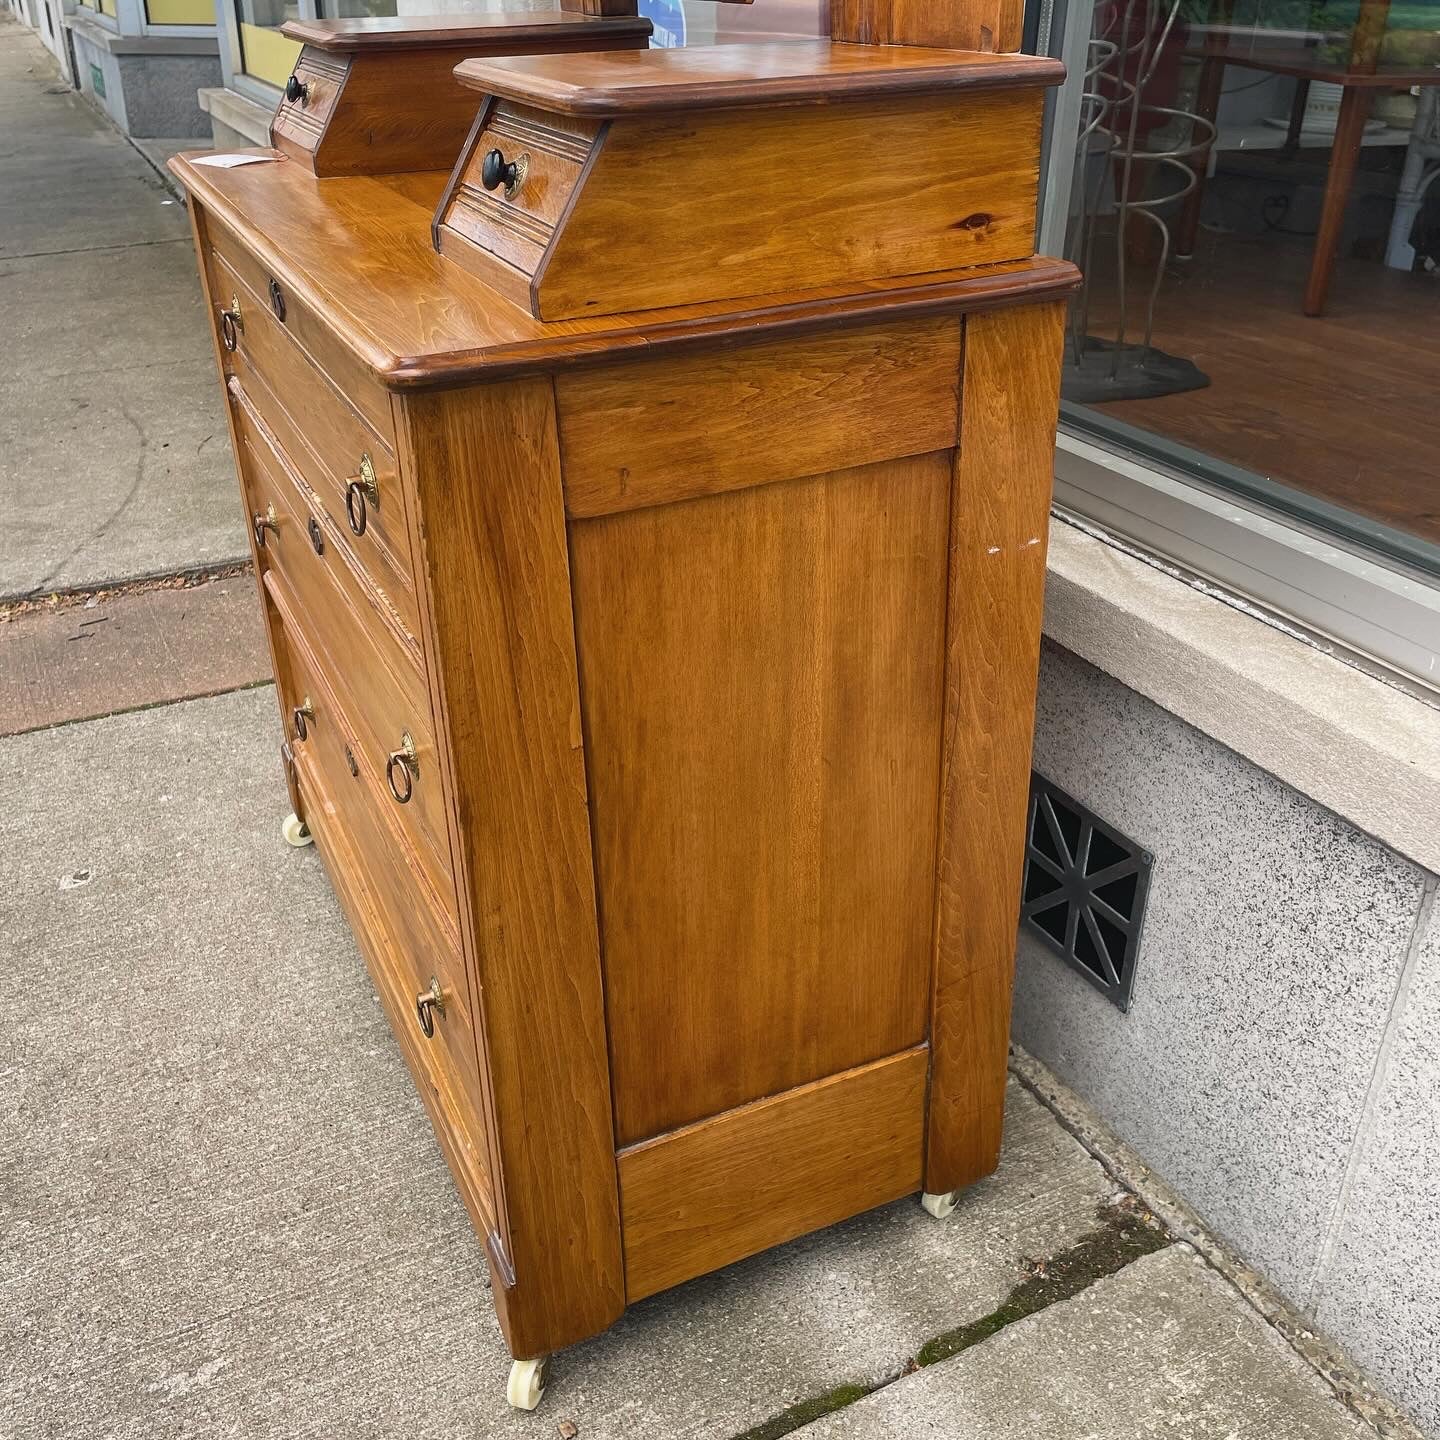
(761, 677)
(766, 200)
(996, 25)
(663, 430)
(758, 1176)
(485, 463)
(999, 527)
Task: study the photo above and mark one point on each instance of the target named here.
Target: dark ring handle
(229, 336)
(302, 724)
(296, 90)
(355, 506)
(495, 172)
(317, 536)
(277, 300)
(400, 762)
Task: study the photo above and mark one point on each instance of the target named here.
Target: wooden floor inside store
(1346, 407)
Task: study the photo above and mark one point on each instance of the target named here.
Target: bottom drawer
(411, 951)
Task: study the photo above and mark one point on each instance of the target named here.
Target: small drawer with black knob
(384, 696)
(518, 177)
(308, 98)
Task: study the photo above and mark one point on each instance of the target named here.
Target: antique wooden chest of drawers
(650, 521)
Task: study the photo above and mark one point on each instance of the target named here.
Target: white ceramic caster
(527, 1384)
(939, 1205)
(292, 827)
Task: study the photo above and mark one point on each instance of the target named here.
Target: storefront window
(1250, 203)
(265, 53)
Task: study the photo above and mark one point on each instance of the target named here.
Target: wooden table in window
(1359, 77)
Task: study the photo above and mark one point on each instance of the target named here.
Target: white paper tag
(229, 162)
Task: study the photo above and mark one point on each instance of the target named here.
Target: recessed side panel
(761, 676)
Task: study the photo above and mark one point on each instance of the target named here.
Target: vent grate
(1085, 889)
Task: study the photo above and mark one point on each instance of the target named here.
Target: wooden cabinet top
(358, 253)
(806, 72)
(375, 34)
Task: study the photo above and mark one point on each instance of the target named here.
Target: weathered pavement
(225, 1213)
(114, 458)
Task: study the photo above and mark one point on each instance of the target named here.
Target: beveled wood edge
(478, 32)
(487, 108)
(1012, 282)
(1051, 279)
(507, 77)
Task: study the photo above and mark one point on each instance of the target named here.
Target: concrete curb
(1349, 1384)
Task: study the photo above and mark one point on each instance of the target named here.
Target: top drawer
(322, 348)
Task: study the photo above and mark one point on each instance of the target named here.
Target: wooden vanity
(649, 503)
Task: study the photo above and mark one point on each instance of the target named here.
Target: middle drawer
(376, 680)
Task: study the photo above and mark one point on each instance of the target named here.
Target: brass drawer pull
(301, 716)
(362, 488)
(402, 764)
(317, 536)
(231, 324)
(262, 523)
(427, 1003)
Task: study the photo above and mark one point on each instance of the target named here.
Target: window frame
(1372, 589)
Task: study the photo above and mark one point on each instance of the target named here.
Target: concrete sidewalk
(114, 457)
(226, 1213)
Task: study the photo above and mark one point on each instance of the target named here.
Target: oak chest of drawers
(650, 521)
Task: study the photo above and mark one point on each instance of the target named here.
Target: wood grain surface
(989, 25)
(485, 463)
(357, 254)
(761, 679)
(952, 184)
(738, 1183)
(651, 433)
(701, 77)
(998, 531)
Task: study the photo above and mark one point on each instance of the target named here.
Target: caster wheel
(292, 827)
(527, 1384)
(938, 1205)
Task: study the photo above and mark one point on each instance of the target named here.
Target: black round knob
(296, 89)
(494, 172)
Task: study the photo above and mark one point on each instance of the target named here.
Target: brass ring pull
(362, 488)
(427, 1003)
(403, 764)
(302, 715)
(231, 324)
(262, 523)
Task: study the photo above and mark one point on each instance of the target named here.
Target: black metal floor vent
(1085, 889)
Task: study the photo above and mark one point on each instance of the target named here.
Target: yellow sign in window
(180, 12)
(268, 54)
